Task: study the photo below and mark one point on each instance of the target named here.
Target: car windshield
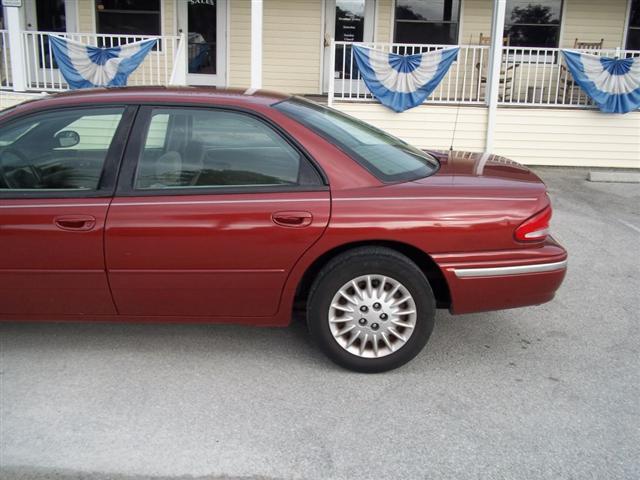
(385, 156)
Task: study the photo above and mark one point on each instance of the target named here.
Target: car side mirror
(67, 138)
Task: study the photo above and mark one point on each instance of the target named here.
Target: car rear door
(57, 177)
(214, 207)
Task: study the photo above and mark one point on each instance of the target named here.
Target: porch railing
(42, 72)
(528, 76)
(5, 67)
(539, 77)
(464, 82)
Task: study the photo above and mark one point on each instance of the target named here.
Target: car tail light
(535, 228)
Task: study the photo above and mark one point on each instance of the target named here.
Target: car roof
(173, 95)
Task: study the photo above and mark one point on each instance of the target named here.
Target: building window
(427, 22)
(633, 32)
(128, 17)
(533, 24)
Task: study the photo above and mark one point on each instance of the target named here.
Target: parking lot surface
(545, 392)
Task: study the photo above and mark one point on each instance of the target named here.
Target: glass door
(55, 16)
(204, 22)
(346, 21)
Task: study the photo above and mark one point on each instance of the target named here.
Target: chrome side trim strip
(514, 270)
(55, 205)
(117, 203)
(438, 198)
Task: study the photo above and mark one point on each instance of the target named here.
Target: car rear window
(385, 156)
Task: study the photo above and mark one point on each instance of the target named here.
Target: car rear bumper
(487, 281)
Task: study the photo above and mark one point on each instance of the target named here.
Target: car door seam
(295, 264)
(118, 167)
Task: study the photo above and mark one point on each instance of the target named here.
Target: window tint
(533, 24)
(423, 22)
(387, 157)
(197, 148)
(63, 150)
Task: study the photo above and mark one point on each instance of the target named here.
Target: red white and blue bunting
(84, 66)
(612, 83)
(401, 82)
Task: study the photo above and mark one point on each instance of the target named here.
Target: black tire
(369, 261)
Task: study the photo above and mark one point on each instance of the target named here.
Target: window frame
(458, 22)
(560, 26)
(628, 26)
(112, 162)
(137, 12)
(126, 179)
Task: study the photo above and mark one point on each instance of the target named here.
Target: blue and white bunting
(401, 82)
(84, 66)
(612, 83)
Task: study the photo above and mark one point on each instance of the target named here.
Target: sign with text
(11, 3)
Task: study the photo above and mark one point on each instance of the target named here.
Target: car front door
(57, 176)
(214, 207)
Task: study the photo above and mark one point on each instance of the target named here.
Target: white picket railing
(528, 76)
(464, 83)
(42, 72)
(539, 77)
(5, 67)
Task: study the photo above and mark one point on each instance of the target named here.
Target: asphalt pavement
(547, 392)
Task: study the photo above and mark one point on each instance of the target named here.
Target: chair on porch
(565, 81)
(506, 76)
(486, 40)
(580, 45)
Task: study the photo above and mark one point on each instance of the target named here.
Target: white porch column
(493, 77)
(15, 25)
(256, 44)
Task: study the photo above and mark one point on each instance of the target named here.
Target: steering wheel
(24, 161)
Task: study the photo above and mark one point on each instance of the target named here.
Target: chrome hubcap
(372, 316)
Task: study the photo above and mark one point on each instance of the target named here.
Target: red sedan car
(199, 205)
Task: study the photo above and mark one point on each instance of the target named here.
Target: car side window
(63, 150)
(196, 148)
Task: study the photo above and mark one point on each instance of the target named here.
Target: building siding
(591, 20)
(169, 17)
(475, 19)
(86, 17)
(384, 16)
(568, 137)
(292, 45)
(540, 136)
(9, 99)
(426, 126)
(239, 47)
